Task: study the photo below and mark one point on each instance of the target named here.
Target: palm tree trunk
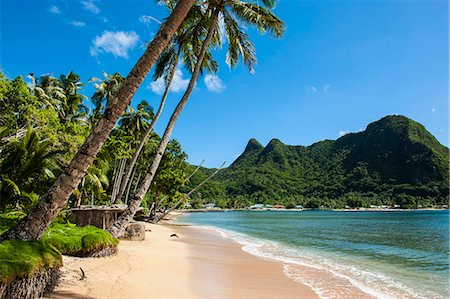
(129, 186)
(196, 169)
(117, 228)
(37, 221)
(137, 182)
(148, 131)
(114, 179)
(114, 197)
(178, 203)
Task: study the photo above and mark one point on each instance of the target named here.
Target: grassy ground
(78, 241)
(24, 258)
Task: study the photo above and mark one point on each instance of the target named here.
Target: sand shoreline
(198, 264)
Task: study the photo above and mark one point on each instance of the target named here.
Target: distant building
(278, 207)
(257, 206)
(209, 206)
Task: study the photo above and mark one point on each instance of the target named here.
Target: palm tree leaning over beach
(37, 221)
(188, 33)
(239, 46)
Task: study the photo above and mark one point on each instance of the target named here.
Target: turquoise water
(403, 254)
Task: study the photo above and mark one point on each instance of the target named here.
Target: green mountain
(394, 161)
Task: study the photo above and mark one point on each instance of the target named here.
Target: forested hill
(394, 161)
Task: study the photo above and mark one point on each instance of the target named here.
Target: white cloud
(433, 109)
(117, 43)
(78, 23)
(89, 5)
(149, 19)
(55, 9)
(318, 89)
(214, 84)
(342, 133)
(311, 89)
(178, 84)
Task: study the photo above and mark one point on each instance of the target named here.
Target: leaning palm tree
(239, 46)
(35, 224)
(188, 33)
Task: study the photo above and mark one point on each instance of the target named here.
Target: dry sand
(197, 265)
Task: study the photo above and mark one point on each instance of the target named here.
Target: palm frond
(239, 44)
(253, 14)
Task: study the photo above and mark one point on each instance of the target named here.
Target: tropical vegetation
(394, 162)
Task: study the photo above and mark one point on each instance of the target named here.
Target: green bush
(8, 220)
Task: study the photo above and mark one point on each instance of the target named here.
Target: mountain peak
(251, 152)
(253, 145)
(274, 142)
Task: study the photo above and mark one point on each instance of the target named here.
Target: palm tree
(49, 91)
(104, 92)
(133, 123)
(37, 221)
(93, 184)
(136, 121)
(74, 107)
(26, 168)
(239, 45)
(188, 34)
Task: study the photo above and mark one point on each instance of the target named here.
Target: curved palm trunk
(35, 224)
(180, 201)
(147, 134)
(118, 227)
(195, 170)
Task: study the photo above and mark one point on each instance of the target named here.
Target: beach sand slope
(198, 264)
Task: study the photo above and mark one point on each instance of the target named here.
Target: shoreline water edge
(197, 264)
(207, 261)
(334, 275)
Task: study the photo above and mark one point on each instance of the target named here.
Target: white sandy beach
(197, 265)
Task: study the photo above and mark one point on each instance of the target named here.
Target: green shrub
(8, 220)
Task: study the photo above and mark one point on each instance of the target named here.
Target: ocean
(401, 254)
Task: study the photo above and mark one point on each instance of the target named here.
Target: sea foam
(328, 276)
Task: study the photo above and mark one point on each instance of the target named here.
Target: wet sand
(198, 264)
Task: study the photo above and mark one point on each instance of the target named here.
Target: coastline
(221, 269)
(198, 264)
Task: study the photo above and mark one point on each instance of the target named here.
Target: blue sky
(339, 66)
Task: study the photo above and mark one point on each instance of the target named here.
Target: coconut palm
(188, 34)
(239, 46)
(37, 221)
(74, 107)
(135, 121)
(94, 183)
(49, 91)
(104, 92)
(26, 168)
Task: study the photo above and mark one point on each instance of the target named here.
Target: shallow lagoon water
(401, 254)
